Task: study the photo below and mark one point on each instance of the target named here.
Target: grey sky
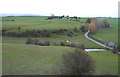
(83, 8)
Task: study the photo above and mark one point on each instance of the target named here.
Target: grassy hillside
(28, 59)
(19, 59)
(108, 34)
(30, 23)
(106, 63)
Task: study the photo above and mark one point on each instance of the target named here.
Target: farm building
(111, 44)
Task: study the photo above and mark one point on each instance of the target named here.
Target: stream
(95, 49)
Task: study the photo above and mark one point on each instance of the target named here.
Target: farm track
(86, 35)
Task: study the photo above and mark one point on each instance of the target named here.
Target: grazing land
(19, 59)
(30, 23)
(108, 34)
(23, 59)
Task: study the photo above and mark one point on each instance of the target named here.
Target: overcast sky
(83, 8)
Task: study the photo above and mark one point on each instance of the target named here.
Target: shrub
(45, 33)
(68, 45)
(19, 34)
(13, 20)
(71, 31)
(80, 46)
(77, 63)
(36, 41)
(65, 30)
(19, 28)
(48, 35)
(39, 43)
(106, 24)
(73, 45)
(39, 31)
(61, 30)
(46, 43)
(62, 43)
(88, 20)
(75, 29)
(69, 34)
(11, 34)
(29, 41)
(55, 44)
(82, 28)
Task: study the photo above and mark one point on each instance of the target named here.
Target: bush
(106, 24)
(82, 28)
(68, 45)
(55, 44)
(69, 34)
(80, 46)
(29, 41)
(45, 33)
(71, 31)
(65, 30)
(61, 30)
(48, 35)
(63, 44)
(13, 20)
(77, 63)
(36, 41)
(46, 43)
(40, 43)
(73, 45)
(13, 34)
(75, 29)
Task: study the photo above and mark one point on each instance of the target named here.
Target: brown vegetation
(78, 63)
(92, 27)
(95, 24)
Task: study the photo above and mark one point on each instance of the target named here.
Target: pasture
(30, 23)
(19, 59)
(108, 34)
(23, 59)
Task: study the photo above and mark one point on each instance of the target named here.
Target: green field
(108, 34)
(23, 59)
(30, 23)
(19, 59)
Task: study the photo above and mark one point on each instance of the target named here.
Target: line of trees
(95, 24)
(48, 43)
(44, 33)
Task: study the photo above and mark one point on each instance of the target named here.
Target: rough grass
(20, 59)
